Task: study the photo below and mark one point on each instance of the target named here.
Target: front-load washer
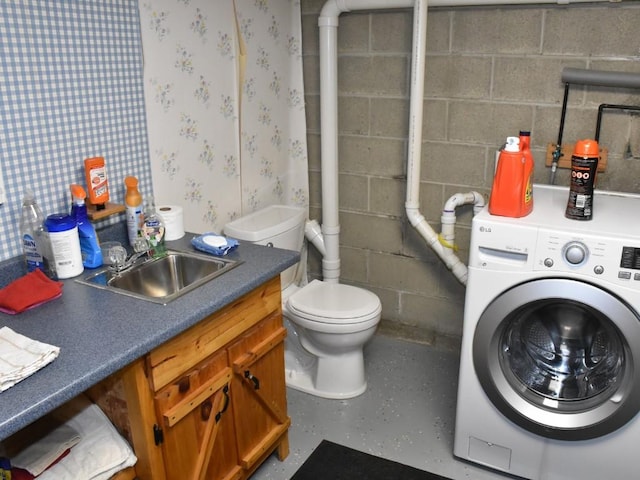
(549, 384)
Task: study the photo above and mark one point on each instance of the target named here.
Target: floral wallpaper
(225, 106)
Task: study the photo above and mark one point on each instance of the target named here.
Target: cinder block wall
(491, 71)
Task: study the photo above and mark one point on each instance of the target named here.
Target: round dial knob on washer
(575, 253)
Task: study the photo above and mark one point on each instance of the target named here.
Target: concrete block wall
(491, 71)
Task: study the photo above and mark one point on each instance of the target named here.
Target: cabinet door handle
(174, 414)
(225, 392)
(255, 380)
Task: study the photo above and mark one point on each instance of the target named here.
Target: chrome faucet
(118, 256)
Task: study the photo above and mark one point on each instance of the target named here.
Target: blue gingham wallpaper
(71, 87)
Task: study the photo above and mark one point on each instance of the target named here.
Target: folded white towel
(96, 449)
(21, 356)
(101, 452)
(42, 452)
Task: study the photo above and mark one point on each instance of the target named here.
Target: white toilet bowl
(328, 324)
(332, 322)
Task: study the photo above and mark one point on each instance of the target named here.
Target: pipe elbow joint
(330, 13)
(414, 216)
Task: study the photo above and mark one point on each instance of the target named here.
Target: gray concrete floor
(407, 413)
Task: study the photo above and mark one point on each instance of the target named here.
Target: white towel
(43, 451)
(101, 452)
(21, 356)
(96, 449)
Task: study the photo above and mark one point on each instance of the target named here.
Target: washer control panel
(615, 259)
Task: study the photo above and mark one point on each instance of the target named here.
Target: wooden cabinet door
(259, 393)
(196, 416)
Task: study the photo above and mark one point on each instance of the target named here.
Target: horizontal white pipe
(333, 8)
(460, 199)
(477, 3)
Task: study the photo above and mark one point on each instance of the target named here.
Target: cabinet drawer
(172, 359)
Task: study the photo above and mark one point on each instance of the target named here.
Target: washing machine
(549, 384)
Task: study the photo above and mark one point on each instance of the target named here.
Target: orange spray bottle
(511, 193)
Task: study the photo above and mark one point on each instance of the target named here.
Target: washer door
(560, 358)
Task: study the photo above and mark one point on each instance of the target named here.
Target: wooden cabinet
(211, 402)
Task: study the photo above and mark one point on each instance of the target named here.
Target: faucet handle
(118, 256)
(140, 245)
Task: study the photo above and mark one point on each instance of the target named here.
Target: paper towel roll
(173, 221)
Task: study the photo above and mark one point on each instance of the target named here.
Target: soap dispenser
(153, 230)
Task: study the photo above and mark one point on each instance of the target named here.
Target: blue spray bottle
(89, 245)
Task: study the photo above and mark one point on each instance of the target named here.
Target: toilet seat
(334, 304)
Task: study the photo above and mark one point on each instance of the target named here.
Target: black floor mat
(331, 461)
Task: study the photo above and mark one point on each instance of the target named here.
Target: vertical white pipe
(329, 146)
(328, 26)
(418, 60)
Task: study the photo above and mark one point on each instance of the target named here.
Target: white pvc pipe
(329, 146)
(328, 25)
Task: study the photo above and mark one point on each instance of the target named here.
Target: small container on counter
(134, 209)
(153, 230)
(97, 184)
(65, 245)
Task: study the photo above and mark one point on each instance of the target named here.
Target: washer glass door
(558, 366)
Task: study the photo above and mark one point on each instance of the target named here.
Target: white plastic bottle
(31, 228)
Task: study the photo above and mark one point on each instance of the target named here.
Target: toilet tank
(281, 226)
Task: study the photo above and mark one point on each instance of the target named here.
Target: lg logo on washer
(484, 229)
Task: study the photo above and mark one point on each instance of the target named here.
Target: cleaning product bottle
(134, 209)
(65, 245)
(509, 197)
(97, 184)
(584, 166)
(31, 228)
(153, 231)
(89, 245)
(525, 146)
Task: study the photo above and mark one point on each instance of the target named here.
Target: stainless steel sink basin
(163, 279)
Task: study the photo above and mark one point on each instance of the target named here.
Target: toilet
(327, 324)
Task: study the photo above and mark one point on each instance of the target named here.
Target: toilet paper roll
(173, 221)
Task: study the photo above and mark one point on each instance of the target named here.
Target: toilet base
(328, 377)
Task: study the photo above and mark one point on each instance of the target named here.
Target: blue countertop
(99, 332)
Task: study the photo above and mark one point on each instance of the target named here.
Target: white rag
(41, 452)
(101, 452)
(21, 356)
(96, 449)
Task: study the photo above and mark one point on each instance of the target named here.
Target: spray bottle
(89, 245)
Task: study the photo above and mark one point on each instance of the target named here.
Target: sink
(161, 280)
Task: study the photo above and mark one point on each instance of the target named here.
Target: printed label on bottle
(153, 232)
(135, 220)
(31, 253)
(583, 175)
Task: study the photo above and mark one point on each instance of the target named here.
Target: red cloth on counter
(28, 291)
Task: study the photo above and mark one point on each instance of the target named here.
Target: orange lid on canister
(587, 148)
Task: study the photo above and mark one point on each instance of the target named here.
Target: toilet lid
(334, 303)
